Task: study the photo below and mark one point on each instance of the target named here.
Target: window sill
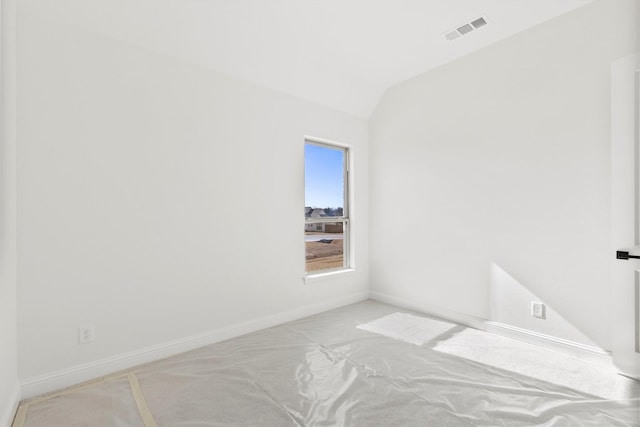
(318, 277)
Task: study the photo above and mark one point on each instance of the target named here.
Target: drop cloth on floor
(104, 403)
(324, 371)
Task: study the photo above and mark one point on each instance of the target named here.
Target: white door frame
(625, 213)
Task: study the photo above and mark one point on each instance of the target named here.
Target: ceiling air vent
(480, 22)
(466, 28)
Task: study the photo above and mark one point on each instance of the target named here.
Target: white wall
(158, 199)
(9, 390)
(502, 159)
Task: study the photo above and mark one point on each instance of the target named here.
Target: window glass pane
(324, 181)
(324, 244)
(326, 212)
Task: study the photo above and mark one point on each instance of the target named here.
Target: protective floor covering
(417, 330)
(324, 371)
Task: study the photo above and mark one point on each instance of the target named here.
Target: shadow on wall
(510, 303)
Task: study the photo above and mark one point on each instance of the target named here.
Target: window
(326, 212)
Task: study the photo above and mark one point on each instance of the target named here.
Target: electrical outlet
(85, 334)
(538, 310)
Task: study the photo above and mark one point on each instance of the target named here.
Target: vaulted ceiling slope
(340, 53)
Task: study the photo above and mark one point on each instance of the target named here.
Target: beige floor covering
(324, 371)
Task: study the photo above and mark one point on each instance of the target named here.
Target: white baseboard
(53, 381)
(11, 406)
(433, 310)
(575, 349)
(581, 351)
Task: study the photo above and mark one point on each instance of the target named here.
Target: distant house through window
(326, 211)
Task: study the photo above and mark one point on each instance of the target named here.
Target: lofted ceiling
(340, 53)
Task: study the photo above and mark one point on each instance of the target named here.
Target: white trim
(432, 310)
(323, 141)
(52, 381)
(581, 351)
(310, 278)
(586, 352)
(11, 407)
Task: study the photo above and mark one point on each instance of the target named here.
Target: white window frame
(345, 219)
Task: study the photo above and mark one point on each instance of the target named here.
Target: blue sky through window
(323, 177)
